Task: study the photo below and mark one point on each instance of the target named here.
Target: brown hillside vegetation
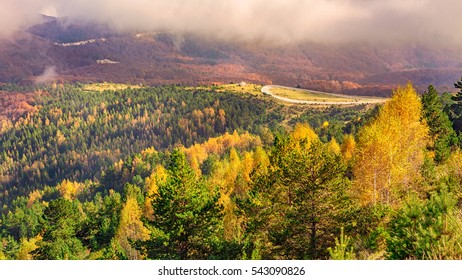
(160, 58)
(14, 105)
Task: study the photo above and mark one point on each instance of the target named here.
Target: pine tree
(440, 128)
(456, 107)
(427, 229)
(98, 231)
(187, 216)
(62, 220)
(294, 210)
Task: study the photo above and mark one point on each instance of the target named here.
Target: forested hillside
(195, 173)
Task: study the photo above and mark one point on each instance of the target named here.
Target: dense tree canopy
(183, 173)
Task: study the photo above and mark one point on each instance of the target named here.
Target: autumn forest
(178, 172)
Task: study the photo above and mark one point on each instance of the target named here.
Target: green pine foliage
(441, 131)
(172, 173)
(455, 108)
(343, 249)
(188, 217)
(426, 229)
(296, 208)
(62, 221)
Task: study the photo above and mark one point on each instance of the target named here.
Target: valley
(139, 136)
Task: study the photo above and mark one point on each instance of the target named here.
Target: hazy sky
(279, 20)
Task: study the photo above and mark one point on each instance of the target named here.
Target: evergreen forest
(174, 172)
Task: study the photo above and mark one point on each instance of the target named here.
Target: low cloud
(17, 14)
(49, 75)
(271, 20)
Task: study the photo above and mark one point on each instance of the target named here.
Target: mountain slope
(87, 53)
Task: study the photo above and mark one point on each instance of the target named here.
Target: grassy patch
(253, 89)
(107, 86)
(241, 88)
(306, 95)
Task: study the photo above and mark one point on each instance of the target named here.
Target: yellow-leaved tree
(334, 147)
(302, 131)
(69, 190)
(131, 228)
(348, 146)
(390, 150)
(158, 177)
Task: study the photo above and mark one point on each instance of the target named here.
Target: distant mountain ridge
(162, 57)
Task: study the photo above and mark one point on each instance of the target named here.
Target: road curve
(267, 90)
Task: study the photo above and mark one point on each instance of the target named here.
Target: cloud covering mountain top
(272, 20)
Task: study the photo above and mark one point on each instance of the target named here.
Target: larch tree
(69, 190)
(158, 176)
(334, 146)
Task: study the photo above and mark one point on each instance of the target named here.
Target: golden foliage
(34, 196)
(391, 150)
(60, 139)
(348, 146)
(334, 147)
(261, 161)
(247, 166)
(148, 152)
(69, 190)
(232, 176)
(158, 177)
(5, 124)
(303, 131)
(371, 167)
(198, 153)
(131, 228)
(26, 246)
